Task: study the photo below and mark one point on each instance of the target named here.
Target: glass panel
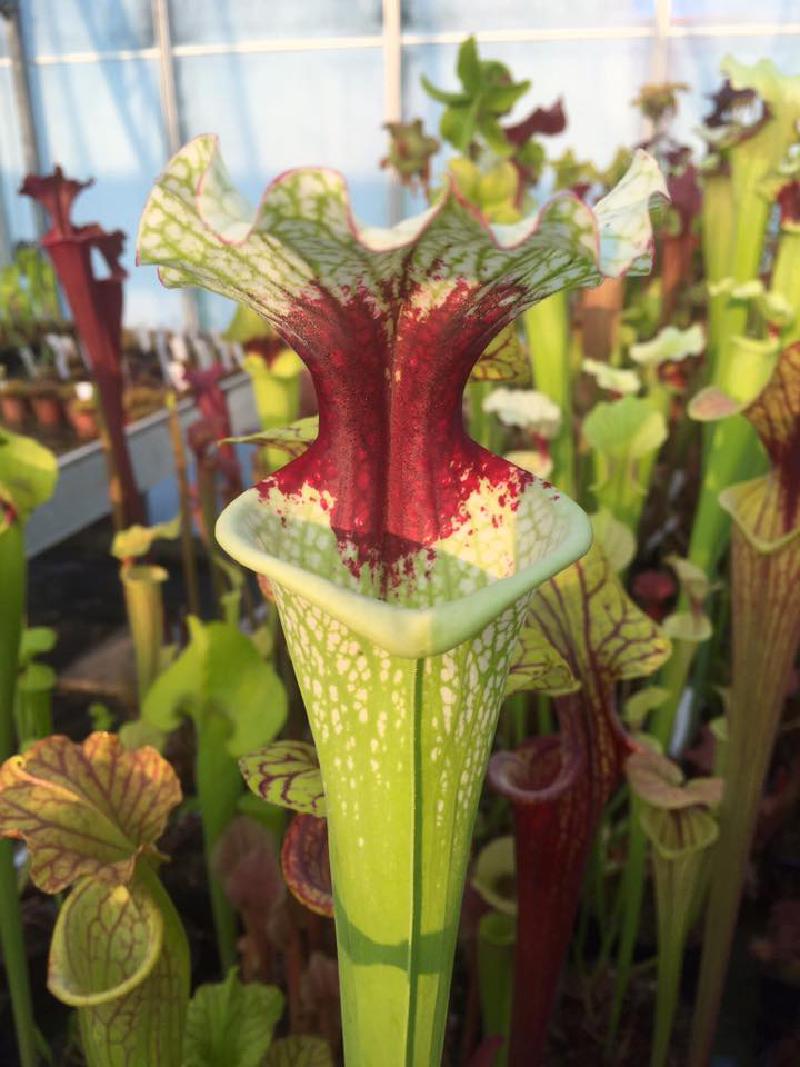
(103, 120)
(57, 27)
(18, 213)
(472, 15)
(288, 109)
(570, 69)
(731, 11)
(235, 21)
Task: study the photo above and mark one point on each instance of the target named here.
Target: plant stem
(546, 722)
(517, 711)
(414, 941)
(15, 958)
(209, 507)
(480, 423)
(671, 941)
(188, 560)
(674, 678)
(732, 454)
(115, 493)
(786, 279)
(631, 894)
(12, 584)
(496, 938)
(34, 713)
(717, 224)
(219, 786)
(547, 329)
(680, 860)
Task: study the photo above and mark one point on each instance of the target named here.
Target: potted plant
(14, 409)
(142, 400)
(46, 399)
(82, 412)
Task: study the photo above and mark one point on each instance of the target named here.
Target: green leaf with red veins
(106, 942)
(401, 554)
(305, 862)
(505, 359)
(593, 624)
(286, 773)
(230, 1024)
(300, 1051)
(119, 954)
(85, 810)
(537, 665)
(766, 510)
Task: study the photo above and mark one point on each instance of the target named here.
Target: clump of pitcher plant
(583, 635)
(735, 218)
(28, 475)
(765, 565)
(91, 815)
(96, 304)
(678, 818)
(401, 554)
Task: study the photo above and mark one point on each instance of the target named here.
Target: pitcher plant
(401, 554)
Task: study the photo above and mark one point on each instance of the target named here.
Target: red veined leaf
(503, 360)
(286, 773)
(85, 810)
(305, 863)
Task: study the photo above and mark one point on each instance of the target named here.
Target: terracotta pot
(84, 422)
(13, 409)
(48, 409)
